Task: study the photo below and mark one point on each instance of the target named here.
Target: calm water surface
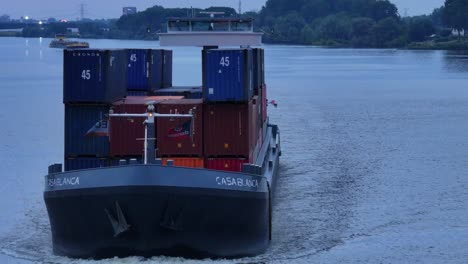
(375, 152)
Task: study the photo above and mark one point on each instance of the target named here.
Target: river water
(375, 152)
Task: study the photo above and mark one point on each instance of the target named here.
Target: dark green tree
(437, 17)
(456, 14)
(362, 32)
(288, 28)
(335, 27)
(387, 33)
(420, 28)
(383, 9)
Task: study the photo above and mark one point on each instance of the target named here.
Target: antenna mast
(82, 11)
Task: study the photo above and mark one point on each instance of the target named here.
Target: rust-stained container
(186, 162)
(225, 164)
(127, 133)
(227, 130)
(174, 133)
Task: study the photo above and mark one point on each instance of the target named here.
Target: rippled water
(375, 152)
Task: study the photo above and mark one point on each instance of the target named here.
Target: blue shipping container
(138, 69)
(156, 69)
(227, 75)
(82, 163)
(94, 76)
(85, 130)
(167, 69)
(145, 69)
(257, 70)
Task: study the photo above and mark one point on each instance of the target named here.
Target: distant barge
(61, 42)
(152, 208)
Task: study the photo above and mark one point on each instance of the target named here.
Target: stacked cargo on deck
(232, 108)
(93, 79)
(96, 81)
(229, 108)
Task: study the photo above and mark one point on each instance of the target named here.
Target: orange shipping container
(185, 162)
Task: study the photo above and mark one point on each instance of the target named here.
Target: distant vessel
(61, 42)
(159, 207)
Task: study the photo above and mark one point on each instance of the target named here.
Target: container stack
(229, 108)
(93, 79)
(260, 88)
(231, 115)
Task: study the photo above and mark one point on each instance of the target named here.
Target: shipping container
(167, 69)
(127, 133)
(156, 69)
(254, 129)
(94, 76)
(264, 104)
(138, 69)
(146, 69)
(86, 130)
(258, 70)
(227, 130)
(227, 75)
(189, 92)
(173, 134)
(186, 162)
(262, 69)
(81, 163)
(225, 164)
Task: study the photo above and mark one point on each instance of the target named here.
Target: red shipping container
(225, 164)
(227, 130)
(185, 162)
(264, 104)
(173, 134)
(254, 125)
(126, 133)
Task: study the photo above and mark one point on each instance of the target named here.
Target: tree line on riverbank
(339, 23)
(357, 23)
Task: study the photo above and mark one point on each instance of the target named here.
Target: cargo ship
(61, 42)
(152, 169)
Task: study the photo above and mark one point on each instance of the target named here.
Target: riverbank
(427, 45)
(432, 45)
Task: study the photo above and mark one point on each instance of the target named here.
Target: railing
(209, 25)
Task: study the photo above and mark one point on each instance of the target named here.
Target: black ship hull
(148, 210)
(161, 221)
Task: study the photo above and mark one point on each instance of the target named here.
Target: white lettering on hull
(69, 181)
(240, 182)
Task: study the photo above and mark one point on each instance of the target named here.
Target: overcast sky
(70, 9)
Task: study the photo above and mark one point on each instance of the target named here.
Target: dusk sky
(70, 9)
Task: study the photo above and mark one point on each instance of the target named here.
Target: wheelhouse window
(241, 25)
(178, 25)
